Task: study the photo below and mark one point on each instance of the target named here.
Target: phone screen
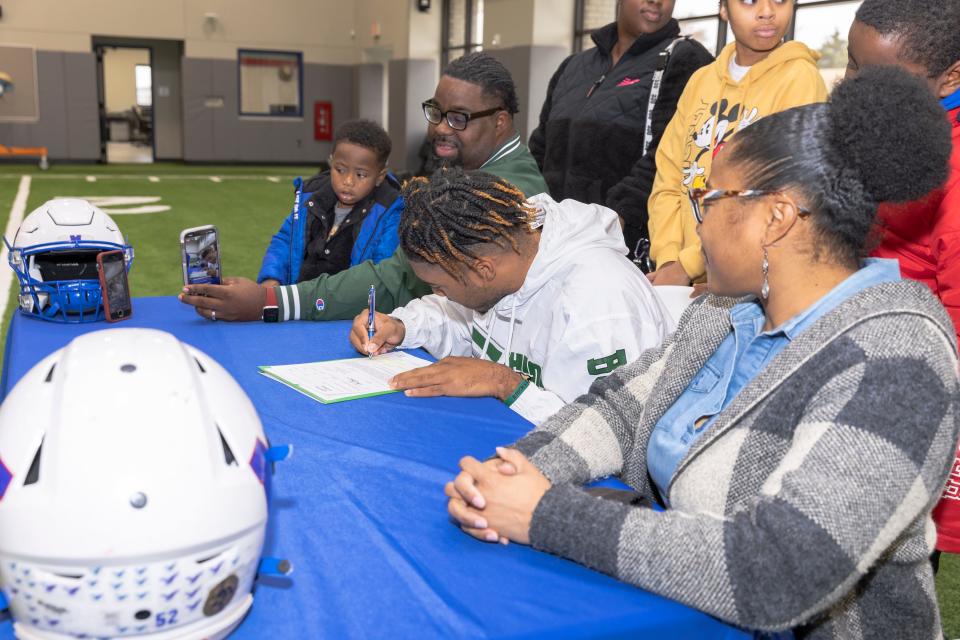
(115, 287)
(202, 257)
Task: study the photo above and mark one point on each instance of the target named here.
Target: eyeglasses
(456, 119)
(700, 198)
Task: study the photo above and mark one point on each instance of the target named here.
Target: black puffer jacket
(590, 139)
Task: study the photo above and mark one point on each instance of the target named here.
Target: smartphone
(114, 287)
(200, 255)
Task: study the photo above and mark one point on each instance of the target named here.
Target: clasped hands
(494, 500)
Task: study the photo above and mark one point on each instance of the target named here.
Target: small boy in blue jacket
(340, 217)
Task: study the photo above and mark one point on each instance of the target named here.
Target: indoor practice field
(247, 204)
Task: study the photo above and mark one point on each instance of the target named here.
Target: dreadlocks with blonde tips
(446, 215)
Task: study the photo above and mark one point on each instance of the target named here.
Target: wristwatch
(271, 311)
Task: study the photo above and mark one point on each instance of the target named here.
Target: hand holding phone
(114, 286)
(200, 255)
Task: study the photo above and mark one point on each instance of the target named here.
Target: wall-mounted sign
(323, 121)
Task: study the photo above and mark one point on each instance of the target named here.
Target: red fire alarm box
(322, 121)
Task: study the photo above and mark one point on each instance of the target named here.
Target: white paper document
(349, 379)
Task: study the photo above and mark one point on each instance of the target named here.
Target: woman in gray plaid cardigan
(803, 503)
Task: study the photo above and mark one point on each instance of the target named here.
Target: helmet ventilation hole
(33, 474)
(228, 456)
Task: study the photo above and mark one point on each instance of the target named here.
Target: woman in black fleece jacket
(589, 143)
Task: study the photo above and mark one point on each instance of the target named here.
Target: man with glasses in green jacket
(470, 123)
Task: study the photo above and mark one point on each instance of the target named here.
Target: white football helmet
(54, 255)
(133, 492)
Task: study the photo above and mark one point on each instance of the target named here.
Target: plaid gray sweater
(806, 505)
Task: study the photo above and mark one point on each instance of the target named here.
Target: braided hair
(448, 215)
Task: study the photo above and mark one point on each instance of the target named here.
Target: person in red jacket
(924, 235)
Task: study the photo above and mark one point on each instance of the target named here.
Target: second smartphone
(114, 286)
(200, 255)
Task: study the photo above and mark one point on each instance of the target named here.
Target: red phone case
(104, 298)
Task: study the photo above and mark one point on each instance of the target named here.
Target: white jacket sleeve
(440, 326)
(585, 352)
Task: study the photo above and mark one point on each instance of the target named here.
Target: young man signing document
(532, 300)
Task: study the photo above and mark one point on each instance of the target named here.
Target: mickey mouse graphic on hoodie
(713, 108)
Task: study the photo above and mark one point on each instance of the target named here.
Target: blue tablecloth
(359, 508)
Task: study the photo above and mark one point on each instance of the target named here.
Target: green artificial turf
(8, 190)
(948, 592)
(245, 207)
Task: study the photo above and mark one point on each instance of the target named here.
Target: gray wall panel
(51, 130)
(69, 124)
(544, 62)
(167, 109)
(8, 133)
(83, 121)
(517, 62)
(369, 83)
(197, 118)
(397, 113)
(411, 82)
(221, 135)
(334, 83)
(531, 68)
(226, 133)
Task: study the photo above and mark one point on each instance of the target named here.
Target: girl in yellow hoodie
(754, 76)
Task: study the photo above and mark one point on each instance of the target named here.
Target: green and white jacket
(583, 311)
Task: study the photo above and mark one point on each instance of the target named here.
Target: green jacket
(343, 295)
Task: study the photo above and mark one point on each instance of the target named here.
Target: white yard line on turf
(91, 178)
(153, 179)
(215, 179)
(16, 217)
(273, 179)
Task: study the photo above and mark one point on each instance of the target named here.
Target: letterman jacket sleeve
(343, 295)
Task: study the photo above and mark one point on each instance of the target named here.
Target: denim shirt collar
(873, 271)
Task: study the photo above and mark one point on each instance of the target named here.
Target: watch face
(271, 314)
